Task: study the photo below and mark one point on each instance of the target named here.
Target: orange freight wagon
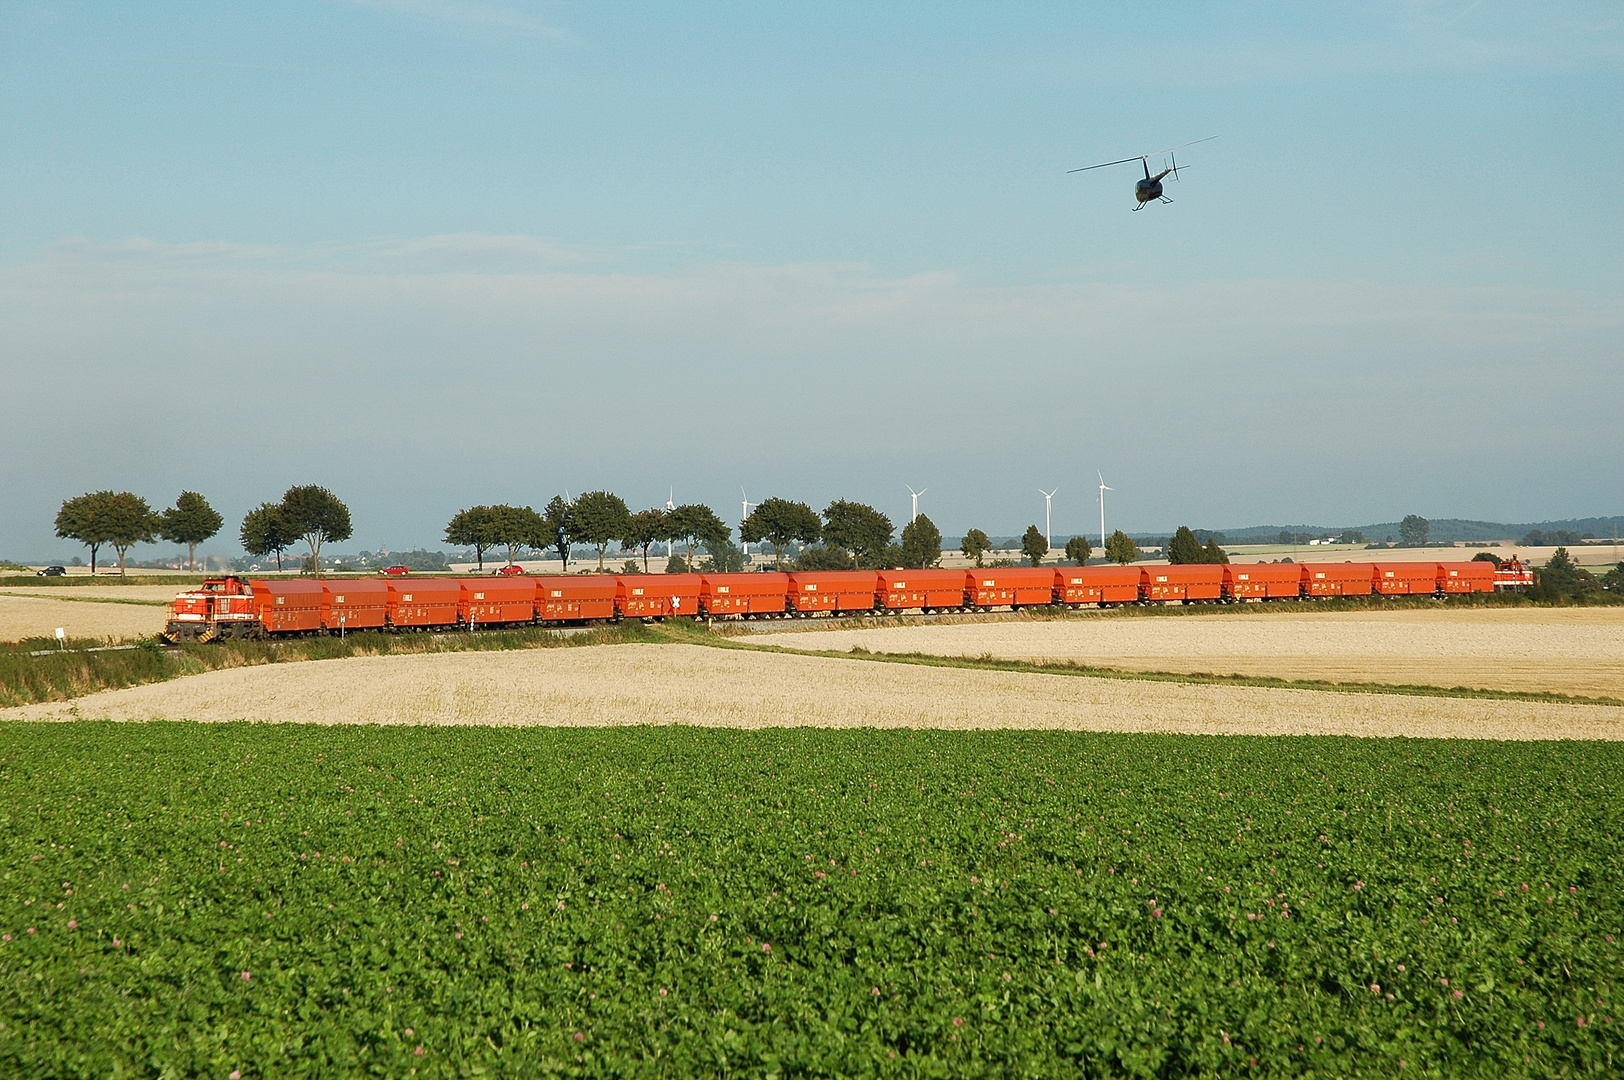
(288, 606)
(654, 596)
(1406, 579)
(415, 602)
(743, 594)
(571, 597)
(1263, 581)
(833, 590)
(354, 604)
(898, 590)
(486, 601)
(1338, 579)
(1099, 584)
(1015, 586)
(1186, 582)
(1465, 577)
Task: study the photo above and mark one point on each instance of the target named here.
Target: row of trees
(307, 512)
(845, 534)
(122, 519)
(596, 519)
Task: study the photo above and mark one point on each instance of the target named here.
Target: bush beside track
(197, 900)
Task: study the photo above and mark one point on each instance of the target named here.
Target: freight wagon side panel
(576, 598)
(1099, 584)
(1263, 581)
(743, 594)
(497, 600)
(651, 596)
(1338, 579)
(423, 602)
(354, 604)
(901, 590)
(1466, 577)
(1406, 579)
(833, 590)
(1013, 586)
(288, 606)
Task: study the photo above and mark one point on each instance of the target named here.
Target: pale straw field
(1559, 650)
(686, 684)
(36, 615)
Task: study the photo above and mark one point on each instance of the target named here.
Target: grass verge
(62, 676)
(198, 900)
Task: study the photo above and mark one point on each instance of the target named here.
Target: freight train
(233, 607)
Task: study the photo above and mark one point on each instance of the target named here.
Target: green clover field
(274, 901)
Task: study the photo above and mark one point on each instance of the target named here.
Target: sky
(435, 253)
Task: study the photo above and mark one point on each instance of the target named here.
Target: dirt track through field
(1555, 650)
(684, 684)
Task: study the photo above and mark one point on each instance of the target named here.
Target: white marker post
(61, 638)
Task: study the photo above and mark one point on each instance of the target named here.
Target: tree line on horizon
(846, 535)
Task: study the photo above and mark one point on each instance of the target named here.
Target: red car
(509, 571)
(396, 571)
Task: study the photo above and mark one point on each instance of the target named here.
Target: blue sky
(432, 253)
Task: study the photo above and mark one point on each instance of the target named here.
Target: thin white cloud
(506, 367)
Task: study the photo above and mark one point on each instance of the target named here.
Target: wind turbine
(747, 505)
(915, 495)
(1103, 490)
(670, 505)
(1048, 498)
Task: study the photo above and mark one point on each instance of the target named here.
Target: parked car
(398, 570)
(509, 571)
(54, 571)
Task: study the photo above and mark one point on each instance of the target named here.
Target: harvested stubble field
(1577, 651)
(304, 901)
(28, 615)
(699, 685)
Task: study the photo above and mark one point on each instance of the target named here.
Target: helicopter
(1151, 186)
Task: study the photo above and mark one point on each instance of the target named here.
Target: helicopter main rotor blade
(1103, 164)
(1180, 146)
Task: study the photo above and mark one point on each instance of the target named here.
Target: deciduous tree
(316, 516)
(975, 545)
(1120, 548)
(780, 523)
(516, 528)
(696, 523)
(190, 521)
(1183, 548)
(1413, 530)
(264, 532)
(473, 528)
(643, 529)
(127, 520)
(557, 526)
(82, 519)
(1078, 549)
(921, 543)
(1034, 545)
(1214, 554)
(601, 518)
(860, 529)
